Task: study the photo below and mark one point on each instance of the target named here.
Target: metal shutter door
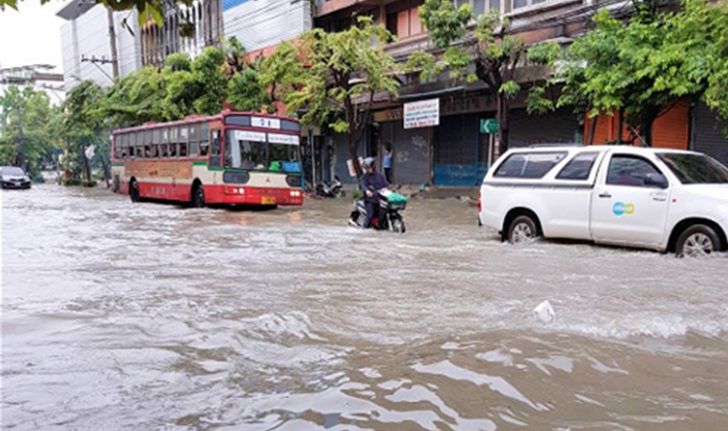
(708, 134)
(560, 126)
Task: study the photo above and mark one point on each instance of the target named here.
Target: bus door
(215, 150)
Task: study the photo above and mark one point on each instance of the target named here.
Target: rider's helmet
(369, 162)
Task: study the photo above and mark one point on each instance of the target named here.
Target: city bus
(233, 158)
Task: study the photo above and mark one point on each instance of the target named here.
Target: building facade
(86, 47)
(187, 29)
(455, 153)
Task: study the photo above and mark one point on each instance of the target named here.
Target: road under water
(144, 316)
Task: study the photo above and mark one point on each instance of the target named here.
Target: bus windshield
(253, 151)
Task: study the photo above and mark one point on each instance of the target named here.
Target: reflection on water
(149, 316)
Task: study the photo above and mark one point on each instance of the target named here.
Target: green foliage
(445, 22)
(280, 72)
(245, 91)
(184, 87)
(26, 116)
(207, 69)
(135, 99)
(343, 68)
(643, 67)
(181, 88)
(537, 102)
(82, 125)
(712, 22)
(178, 61)
(425, 64)
(544, 54)
(484, 54)
(509, 89)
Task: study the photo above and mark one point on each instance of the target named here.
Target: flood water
(121, 316)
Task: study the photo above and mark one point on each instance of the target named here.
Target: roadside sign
(425, 113)
(489, 126)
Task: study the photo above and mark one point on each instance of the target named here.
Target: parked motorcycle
(388, 217)
(330, 189)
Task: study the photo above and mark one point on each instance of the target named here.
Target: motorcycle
(330, 189)
(388, 217)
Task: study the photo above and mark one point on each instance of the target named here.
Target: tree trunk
(593, 129)
(353, 152)
(502, 115)
(646, 130)
(650, 115)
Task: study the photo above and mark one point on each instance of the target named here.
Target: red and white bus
(230, 158)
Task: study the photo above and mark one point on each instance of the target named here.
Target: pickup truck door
(630, 202)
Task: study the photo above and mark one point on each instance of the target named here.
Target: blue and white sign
(246, 135)
(264, 122)
(277, 138)
(425, 113)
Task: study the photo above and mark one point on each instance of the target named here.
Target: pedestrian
(387, 162)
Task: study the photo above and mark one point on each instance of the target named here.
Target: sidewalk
(413, 191)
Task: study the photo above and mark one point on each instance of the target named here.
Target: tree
(345, 70)
(182, 87)
(83, 126)
(280, 72)
(640, 69)
(487, 54)
(245, 91)
(25, 136)
(711, 22)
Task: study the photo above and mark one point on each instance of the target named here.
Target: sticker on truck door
(621, 208)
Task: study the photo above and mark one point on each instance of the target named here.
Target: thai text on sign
(425, 113)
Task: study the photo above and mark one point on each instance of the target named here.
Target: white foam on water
(494, 383)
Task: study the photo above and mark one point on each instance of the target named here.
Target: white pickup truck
(660, 199)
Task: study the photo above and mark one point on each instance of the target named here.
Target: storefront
(708, 133)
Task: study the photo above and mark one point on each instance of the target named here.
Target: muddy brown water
(121, 316)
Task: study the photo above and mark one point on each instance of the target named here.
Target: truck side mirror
(656, 180)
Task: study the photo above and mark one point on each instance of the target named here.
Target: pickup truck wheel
(697, 241)
(523, 229)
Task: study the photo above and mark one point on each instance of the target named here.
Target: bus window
(124, 145)
(183, 141)
(132, 145)
(193, 140)
(204, 144)
(117, 146)
(155, 143)
(215, 150)
(173, 140)
(162, 150)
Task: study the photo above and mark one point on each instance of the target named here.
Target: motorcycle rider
(371, 183)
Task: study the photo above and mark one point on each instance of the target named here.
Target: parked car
(12, 177)
(666, 200)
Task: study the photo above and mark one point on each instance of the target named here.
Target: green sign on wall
(488, 126)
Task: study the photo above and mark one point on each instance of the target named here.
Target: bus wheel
(198, 196)
(134, 191)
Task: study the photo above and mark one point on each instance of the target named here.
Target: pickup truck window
(528, 165)
(579, 167)
(695, 168)
(629, 170)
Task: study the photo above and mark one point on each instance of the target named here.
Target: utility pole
(112, 41)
